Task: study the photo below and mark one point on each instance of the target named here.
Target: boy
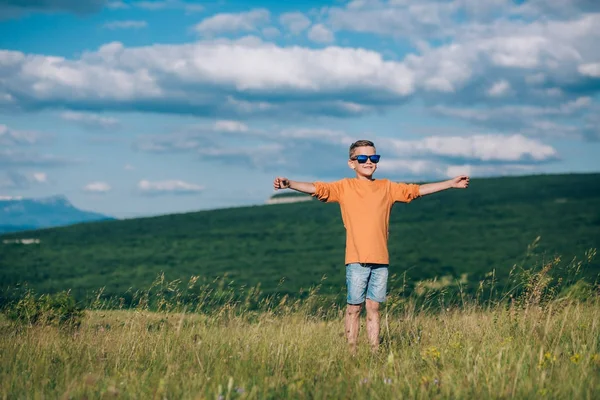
(366, 204)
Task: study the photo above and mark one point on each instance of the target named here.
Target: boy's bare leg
(373, 323)
(352, 324)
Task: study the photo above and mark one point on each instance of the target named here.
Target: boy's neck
(364, 178)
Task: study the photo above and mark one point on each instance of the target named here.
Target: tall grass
(536, 339)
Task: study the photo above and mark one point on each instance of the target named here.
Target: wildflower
(432, 352)
(387, 381)
(595, 358)
(548, 358)
(457, 341)
(364, 381)
(575, 358)
(456, 345)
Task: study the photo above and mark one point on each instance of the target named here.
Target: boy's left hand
(460, 182)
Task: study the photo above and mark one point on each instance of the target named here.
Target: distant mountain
(18, 214)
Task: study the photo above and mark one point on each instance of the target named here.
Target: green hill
(287, 247)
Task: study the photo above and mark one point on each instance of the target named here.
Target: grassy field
(538, 339)
(297, 350)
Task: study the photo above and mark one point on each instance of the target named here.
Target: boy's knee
(353, 310)
(372, 306)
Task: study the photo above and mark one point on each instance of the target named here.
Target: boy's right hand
(281, 183)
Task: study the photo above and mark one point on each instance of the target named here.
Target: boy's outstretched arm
(285, 183)
(460, 182)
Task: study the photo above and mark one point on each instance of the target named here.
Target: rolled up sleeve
(328, 192)
(404, 192)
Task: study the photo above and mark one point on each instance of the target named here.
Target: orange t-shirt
(366, 207)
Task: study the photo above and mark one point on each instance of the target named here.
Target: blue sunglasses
(363, 159)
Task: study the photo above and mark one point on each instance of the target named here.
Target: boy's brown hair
(360, 143)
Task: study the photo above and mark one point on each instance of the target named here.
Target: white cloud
(545, 128)
(320, 34)
(320, 134)
(360, 4)
(230, 22)
(499, 88)
(117, 5)
(128, 167)
(230, 126)
(154, 5)
(538, 121)
(195, 137)
(554, 92)
(251, 147)
(127, 24)
(484, 148)
(15, 158)
(199, 137)
(541, 62)
(286, 150)
(511, 51)
(445, 18)
(13, 180)
(591, 69)
(407, 167)
(6, 99)
(90, 120)
(252, 156)
(164, 4)
(12, 137)
(97, 187)
(185, 140)
(212, 78)
(248, 74)
(592, 125)
(295, 22)
(168, 187)
(424, 19)
(40, 177)
(18, 180)
(488, 170)
(482, 40)
(270, 32)
(514, 111)
(557, 8)
(457, 170)
(193, 8)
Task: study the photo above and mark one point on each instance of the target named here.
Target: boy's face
(367, 168)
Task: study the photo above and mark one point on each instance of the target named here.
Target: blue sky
(134, 108)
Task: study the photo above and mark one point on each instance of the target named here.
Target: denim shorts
(368, 280)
